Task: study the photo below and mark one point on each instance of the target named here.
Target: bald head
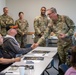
(12, 32)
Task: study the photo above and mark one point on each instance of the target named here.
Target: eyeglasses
(49, 14)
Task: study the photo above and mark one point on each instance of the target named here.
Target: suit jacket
(11, 46)
(3, 66)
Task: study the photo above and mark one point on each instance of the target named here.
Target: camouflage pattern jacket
(65, 26)
(22, 26)
(40, 24)
(4, 21)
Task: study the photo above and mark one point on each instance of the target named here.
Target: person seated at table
(12, 46)
(72, 69)
(4, 61)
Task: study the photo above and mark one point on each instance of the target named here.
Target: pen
(9, 72)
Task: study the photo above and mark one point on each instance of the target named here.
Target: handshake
(34, 45)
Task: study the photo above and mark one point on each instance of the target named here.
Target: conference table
(43, 56)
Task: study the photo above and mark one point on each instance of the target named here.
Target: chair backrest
(63, 67)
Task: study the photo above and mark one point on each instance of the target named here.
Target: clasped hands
(34, 45)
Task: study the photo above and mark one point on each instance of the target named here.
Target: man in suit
(4, 60)
(12, 46)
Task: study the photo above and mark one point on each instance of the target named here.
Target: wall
(2, 4)
(31, 9)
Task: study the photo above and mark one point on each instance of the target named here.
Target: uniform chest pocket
(65, 27)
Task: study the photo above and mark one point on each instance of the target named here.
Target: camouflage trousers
(22, 40)
(43, 44)
(63, 48)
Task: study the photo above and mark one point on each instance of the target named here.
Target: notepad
(29, 62)
(37, 54)
(33, 58)
(15, 67)
(40, 51)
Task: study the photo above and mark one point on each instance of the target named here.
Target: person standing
(22, 30)
(40, 24)
(63, 27)
(5, 20)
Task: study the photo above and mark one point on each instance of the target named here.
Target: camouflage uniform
(4, 21)
(22, 28)
(67, 27)
(40, 25)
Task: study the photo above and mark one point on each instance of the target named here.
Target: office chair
(63, 68)
(52, 43)
(52, 64)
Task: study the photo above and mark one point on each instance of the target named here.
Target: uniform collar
(59, 19)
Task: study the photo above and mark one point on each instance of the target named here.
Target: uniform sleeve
(2, 23)
(36, 23)
(46, 34)
(70, 25)
(49, 22)
(18, 30)
(11, 21)
(26, 28)
(14, 48)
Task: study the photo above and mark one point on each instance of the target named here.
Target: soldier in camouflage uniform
(22, 30)
(5, 20)
(64, 30)
(40, 24)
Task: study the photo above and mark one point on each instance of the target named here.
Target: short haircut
(43, 7)
(20, 13)
(52, 9)
(5, 8)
